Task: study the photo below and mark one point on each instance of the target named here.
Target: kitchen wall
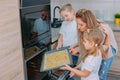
(53, 4)
(107, 8)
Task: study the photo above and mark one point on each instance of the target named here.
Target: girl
(68, 26)
(91, 61)
(86, 20)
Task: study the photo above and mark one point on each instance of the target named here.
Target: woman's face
(67, 16)
(81, 26)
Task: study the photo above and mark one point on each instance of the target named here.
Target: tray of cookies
(55, 59)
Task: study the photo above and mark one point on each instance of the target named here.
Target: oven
(35, 20)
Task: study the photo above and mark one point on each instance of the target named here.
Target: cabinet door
(11, 59)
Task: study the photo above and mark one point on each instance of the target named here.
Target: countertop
(113, 26)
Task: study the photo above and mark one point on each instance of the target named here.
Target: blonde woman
(86, 20)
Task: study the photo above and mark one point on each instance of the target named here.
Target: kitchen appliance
(34, 15)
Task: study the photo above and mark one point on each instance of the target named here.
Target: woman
(86, 20)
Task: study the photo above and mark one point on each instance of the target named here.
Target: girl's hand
(71, 74)
(66, 67)
(73, 51)
(58, 46)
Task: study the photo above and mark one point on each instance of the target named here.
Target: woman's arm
(107, 37)
(60, 41)
(106, 42)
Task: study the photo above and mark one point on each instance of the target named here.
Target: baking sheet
(55, 59)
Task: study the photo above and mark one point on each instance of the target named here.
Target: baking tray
(55, 59)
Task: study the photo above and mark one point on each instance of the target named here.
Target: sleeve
(89, 63)
(113, 42)
(62, 28)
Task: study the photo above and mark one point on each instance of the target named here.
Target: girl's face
(67, 16)
(87, 44)
(81, 26)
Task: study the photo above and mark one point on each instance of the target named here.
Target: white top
(92, 64)
(69, 32)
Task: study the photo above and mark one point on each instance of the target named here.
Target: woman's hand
(104, 30)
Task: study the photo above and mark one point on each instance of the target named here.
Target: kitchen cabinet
(11, 58)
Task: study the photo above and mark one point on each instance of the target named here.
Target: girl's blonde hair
(67, 7)
(97, 37)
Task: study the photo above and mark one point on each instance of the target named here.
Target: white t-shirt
(92, 64)
(69, 32)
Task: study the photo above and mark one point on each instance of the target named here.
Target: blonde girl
(68, 30)
(90, 63)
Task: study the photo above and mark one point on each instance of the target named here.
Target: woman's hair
(96, 36)
(67, 7)
(87, 17)
(91, 23)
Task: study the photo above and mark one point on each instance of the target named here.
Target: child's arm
(77, 72)
(75, 45)
(60, 41)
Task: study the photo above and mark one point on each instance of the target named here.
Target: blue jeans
(71, 78)
(75, 59)
(105, 66)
